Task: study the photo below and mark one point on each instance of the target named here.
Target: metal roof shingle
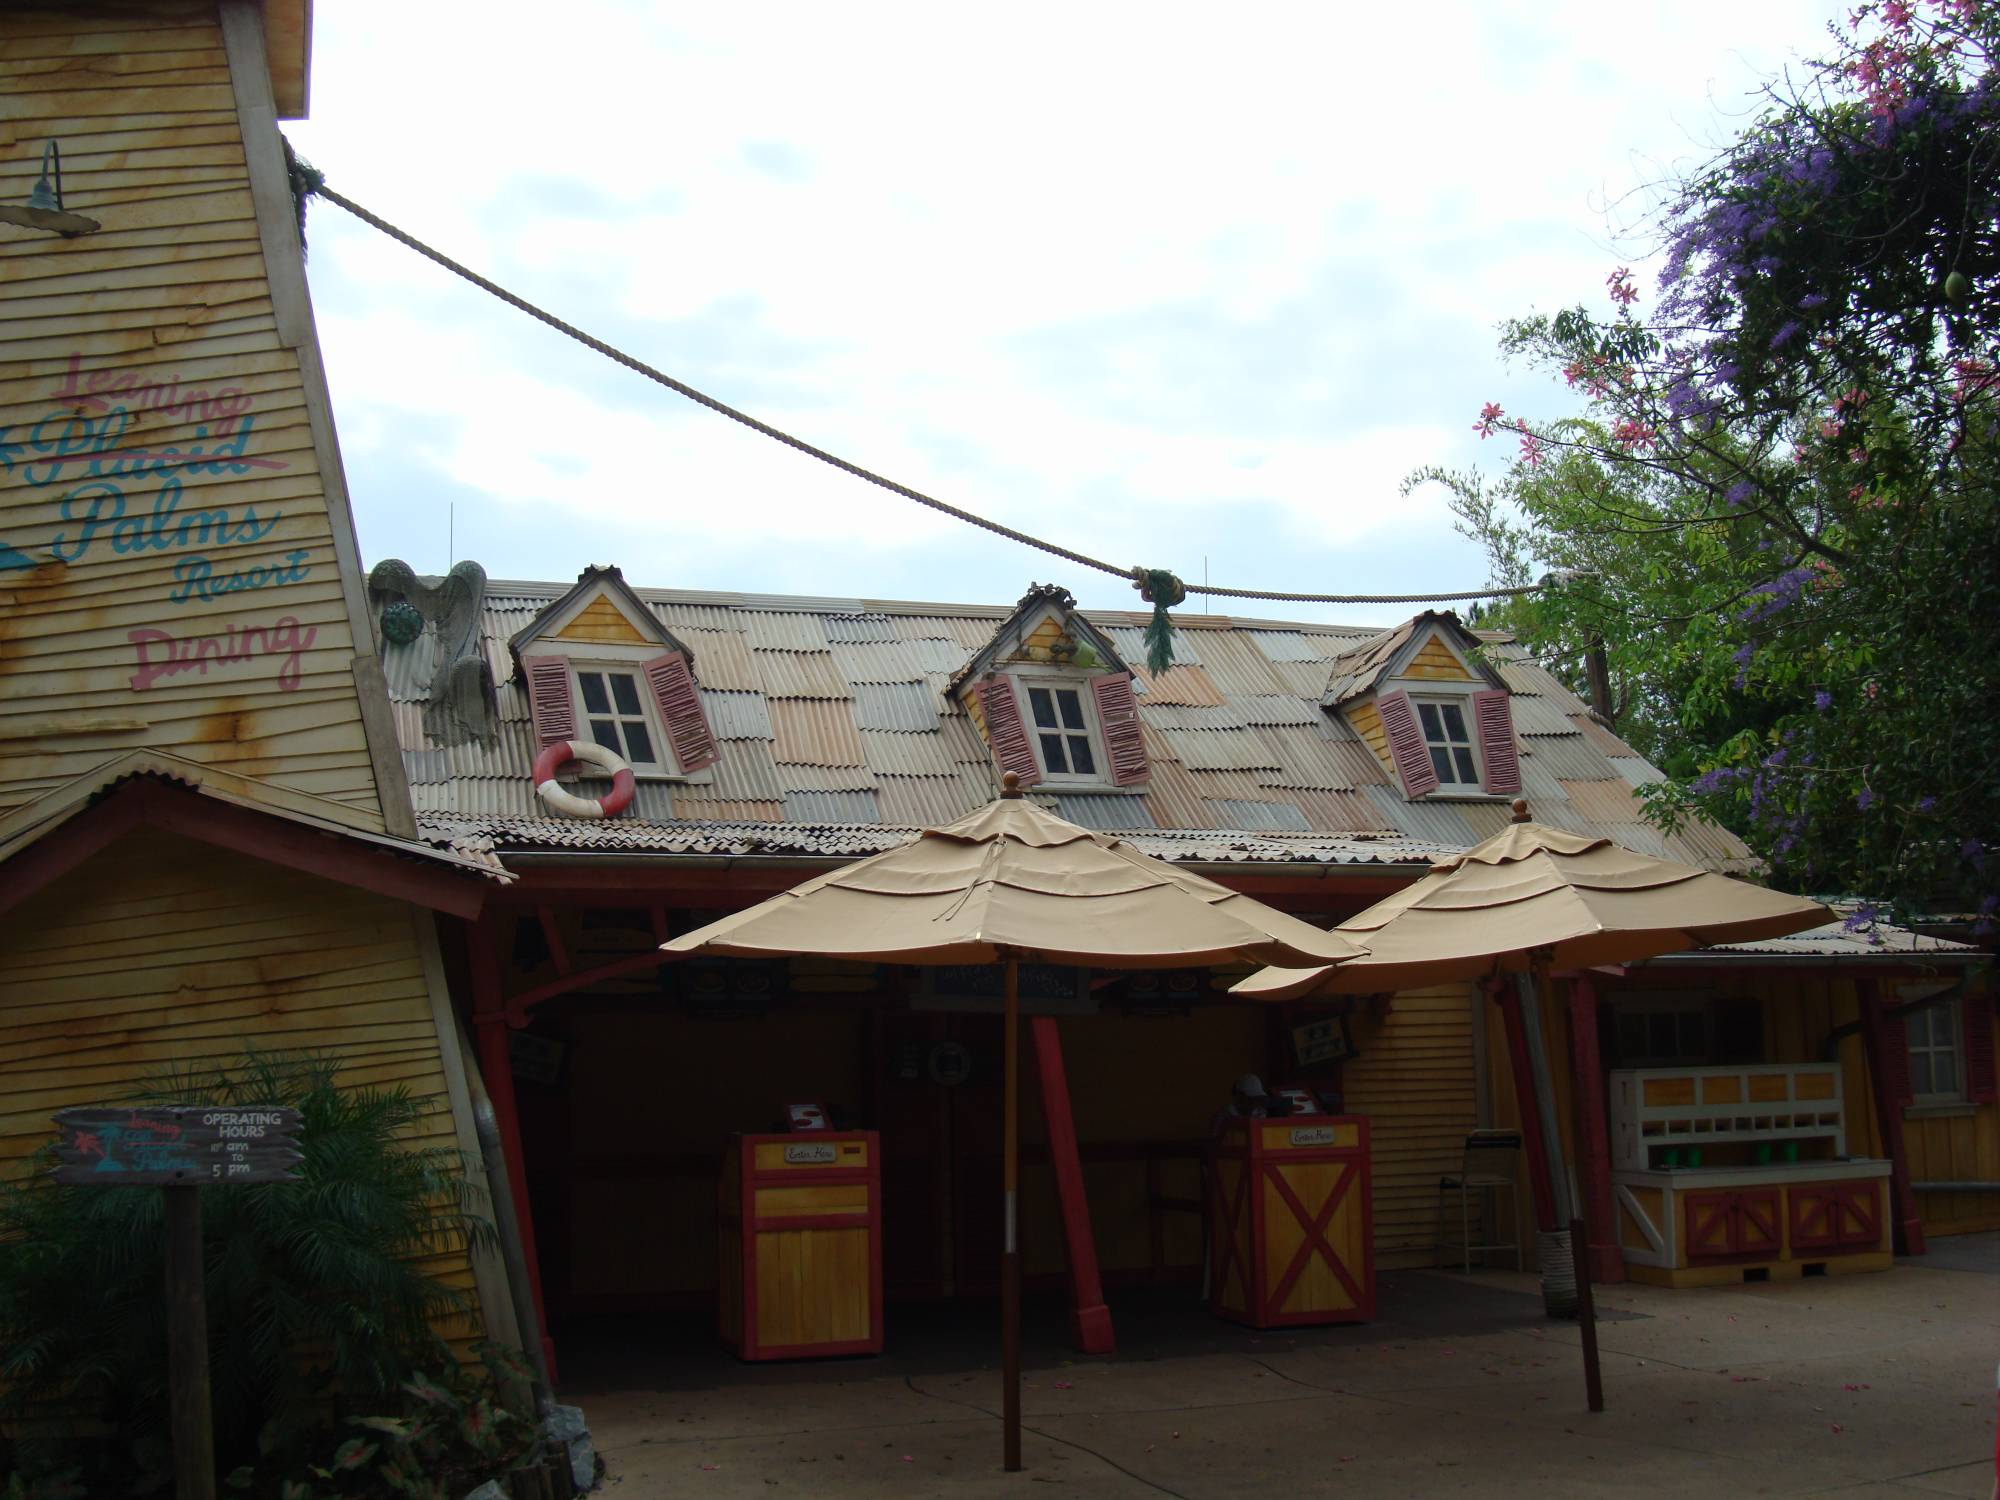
(910, 707)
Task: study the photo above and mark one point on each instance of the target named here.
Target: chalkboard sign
(176, 1145)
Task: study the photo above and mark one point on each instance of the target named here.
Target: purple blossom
(1866, 800)
(1926, 804)
(1787, 331)
(1711, 782)
(1822, 700)
(1861, 918)
(1973, 853)
(1740, 494)
(1812, 299)
(1780, 594)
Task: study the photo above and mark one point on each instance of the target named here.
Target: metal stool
(1490, 1160)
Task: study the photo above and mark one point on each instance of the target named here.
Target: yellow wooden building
(206, 837)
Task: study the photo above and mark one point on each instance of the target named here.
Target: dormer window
(1062, 732)
(616, 714)
(1449, 743)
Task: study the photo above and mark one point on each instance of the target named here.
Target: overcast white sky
(1171, 284)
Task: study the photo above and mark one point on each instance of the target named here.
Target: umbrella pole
(1010, 1255)
(1545, 1094)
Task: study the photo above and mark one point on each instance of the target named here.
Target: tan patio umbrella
(1014, 883)
(1532, 899)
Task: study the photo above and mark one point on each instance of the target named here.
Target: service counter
(1722, 1172)
(1291, 1222)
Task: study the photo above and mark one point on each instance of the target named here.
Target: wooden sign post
(180, 1148)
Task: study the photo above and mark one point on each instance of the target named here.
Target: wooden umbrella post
(1010, 1254)
(187, 1348)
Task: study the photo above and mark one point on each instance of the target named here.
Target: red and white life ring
(590, 753)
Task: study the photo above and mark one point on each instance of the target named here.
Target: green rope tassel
(1163, 591)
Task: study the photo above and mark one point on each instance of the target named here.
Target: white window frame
(1026, 677)
(1451, 785)
(663, 766)
(1934, 1019)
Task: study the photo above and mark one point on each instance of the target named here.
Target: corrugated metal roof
(1104, 812)
(838, 715)
(1130, 643)
(816, 733)
(722, 660)
(1635, 771)
(1883, 942)
(784, 632)
(800, 674)
(880, 661)
(1260, 817)
(1607, 742)
(892, 753)
(851, 628)
(831, 807)
(736, 716)
(907, 706)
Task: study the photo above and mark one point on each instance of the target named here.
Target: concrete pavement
(1861, 1386)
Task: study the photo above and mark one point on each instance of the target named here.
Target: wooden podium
(1291, 1222)
(799, 1245)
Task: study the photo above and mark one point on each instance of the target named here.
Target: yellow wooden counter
(1291, 1222)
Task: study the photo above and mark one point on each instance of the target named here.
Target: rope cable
(312, 183)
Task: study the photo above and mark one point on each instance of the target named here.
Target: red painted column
(1593, 1135)
(1888, 1078)
(497, 1072)
(1509, 1000)
(1090, 1319)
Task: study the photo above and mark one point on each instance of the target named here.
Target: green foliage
(1780, 510)
(316, 1301)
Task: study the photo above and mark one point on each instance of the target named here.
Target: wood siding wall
(1415, 1079)
(162, 953)
(163, 503)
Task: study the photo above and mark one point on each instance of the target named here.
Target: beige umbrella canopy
(1538, 896)
(1013, 883)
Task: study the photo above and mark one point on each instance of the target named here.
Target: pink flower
(1632, 434)
(1489, 416)
(1619, 283)
(1531, 449)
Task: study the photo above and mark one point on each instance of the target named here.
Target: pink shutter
(679, 700)
(1118, 717)
(1406, 744)
(1980, 1084)
(1494, 714)
(1005, 732)
(549, 701)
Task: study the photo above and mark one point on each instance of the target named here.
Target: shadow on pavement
(681, 1351)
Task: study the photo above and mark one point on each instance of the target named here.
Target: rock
(565, 1424)
(491, 1490)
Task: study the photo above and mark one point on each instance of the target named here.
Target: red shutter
(1494, 714)
(1118, 717)
(548, 699)
(679, 700)
(1406, 744)
(1005, 732)
(1980, 1085)
(1895, 1056)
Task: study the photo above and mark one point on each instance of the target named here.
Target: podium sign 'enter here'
(176, 1145)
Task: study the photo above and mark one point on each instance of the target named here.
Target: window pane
(1053, 760)
(1694, 1034)
(1920, 1073)
(1428, 713)
(605, 732)
(625, 692)
(1661, 1024)
(1072, 708)
(638, 743)
(1944, 1071)
(594, 700)
(1454, 723)
(1441, 763)
(1080, 759)
(1044, 708)
(1467, 772)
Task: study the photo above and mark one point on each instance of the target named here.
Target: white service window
(1059, 721)
(1447, 738)
(1937, 1073)
(612, 703)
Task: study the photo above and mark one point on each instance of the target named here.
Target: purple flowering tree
(1772, 526)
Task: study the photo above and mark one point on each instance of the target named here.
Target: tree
(1777, 510)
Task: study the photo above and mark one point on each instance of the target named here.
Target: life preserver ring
(553, 758)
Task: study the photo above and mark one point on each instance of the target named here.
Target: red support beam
(1593, 1134)
(1882, 1038)
(552, 935)
(497, 1072)
(1090, 1319)
(1509, 1000)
